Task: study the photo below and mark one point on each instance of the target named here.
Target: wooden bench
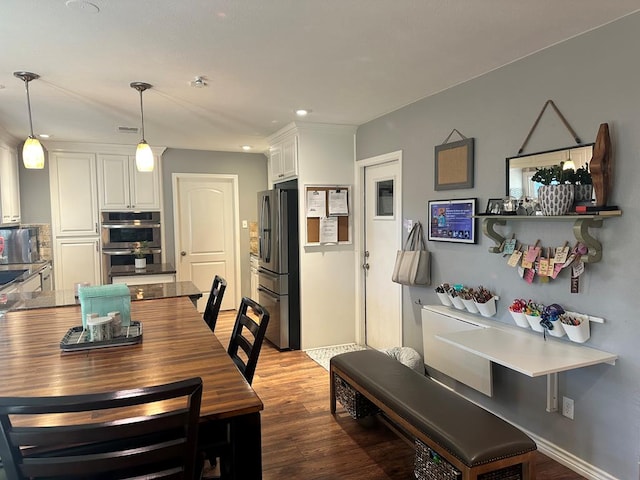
(474, 443)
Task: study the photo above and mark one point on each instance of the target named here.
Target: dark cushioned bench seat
(467, 436)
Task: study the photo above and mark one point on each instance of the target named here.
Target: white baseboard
(551, 450)
(568, 459)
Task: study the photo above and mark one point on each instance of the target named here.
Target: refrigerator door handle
(264, 248)
(275, 298)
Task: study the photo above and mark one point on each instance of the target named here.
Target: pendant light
(32, 151)
(144, 155)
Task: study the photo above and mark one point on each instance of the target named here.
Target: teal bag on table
(102, 299)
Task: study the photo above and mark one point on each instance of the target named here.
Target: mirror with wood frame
(521, 168)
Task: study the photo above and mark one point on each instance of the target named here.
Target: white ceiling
(350, 61)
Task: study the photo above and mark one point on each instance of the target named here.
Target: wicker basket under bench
(455, 439)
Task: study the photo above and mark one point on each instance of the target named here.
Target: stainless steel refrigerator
(278, 284)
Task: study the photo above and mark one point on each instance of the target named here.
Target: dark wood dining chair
(247, 336)
(244, 349)
(103, 435)
(212, 309)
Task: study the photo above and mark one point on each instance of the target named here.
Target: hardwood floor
(301, 440)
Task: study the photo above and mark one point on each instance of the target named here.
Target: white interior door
(206, 226)
(382, 237)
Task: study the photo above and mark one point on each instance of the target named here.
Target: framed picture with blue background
(453, 220)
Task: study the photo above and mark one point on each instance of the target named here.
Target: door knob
(183, 253)
(365, 266)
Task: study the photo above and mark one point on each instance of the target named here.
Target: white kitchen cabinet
(32, 284)
(76, 260)
(283, 159)
(9, 186)
(122, 187)
(74, 196)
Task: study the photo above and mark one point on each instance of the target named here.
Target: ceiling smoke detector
(198, 82)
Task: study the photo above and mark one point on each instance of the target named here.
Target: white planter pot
(487, 309)
(520, 319)
(578, 333)
(582, 193)
(558, 329)
(141, 263)
(534, 323)
(444, 299)
(555, 199)
(470, 305)
(457, 302)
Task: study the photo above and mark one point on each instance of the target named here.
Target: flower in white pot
(140, 254)
(556, 193)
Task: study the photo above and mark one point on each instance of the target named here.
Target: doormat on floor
(322, 355)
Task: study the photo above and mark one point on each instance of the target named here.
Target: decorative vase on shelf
(555, 199)
(141, 263)
(583, 193)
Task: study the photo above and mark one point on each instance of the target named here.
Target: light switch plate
(245, 224)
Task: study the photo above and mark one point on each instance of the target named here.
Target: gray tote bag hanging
(413, 262)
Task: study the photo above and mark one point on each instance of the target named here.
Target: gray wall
(251, 169)
(593, 79)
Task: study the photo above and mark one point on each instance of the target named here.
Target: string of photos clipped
(545, 263)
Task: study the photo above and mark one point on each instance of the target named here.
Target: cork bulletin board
(317, 212)
(454, 165)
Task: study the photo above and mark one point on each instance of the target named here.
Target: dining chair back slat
(254, 318)
(148, 432)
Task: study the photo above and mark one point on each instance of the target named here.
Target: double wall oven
(122, 232)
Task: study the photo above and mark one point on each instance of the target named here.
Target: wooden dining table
(176, 344)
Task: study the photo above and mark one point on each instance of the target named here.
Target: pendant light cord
(142, 115)
(26, 84)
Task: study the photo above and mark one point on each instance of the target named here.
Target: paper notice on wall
(316, 203)
(329, 230)
(338, 205)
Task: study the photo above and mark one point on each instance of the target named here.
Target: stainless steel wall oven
(122, 232)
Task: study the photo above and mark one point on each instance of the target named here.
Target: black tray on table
(76, 338)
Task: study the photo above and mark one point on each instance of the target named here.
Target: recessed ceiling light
(198, 82)
(246, 147)
(44, 135)
(302, 112)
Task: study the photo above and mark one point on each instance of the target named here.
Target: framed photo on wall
(452, 220)
(454, 165)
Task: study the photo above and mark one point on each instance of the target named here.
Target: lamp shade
(144, 157)
(33, 153)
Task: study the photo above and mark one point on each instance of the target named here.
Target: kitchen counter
(63, 298)
(30, 270)
(150, 269)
